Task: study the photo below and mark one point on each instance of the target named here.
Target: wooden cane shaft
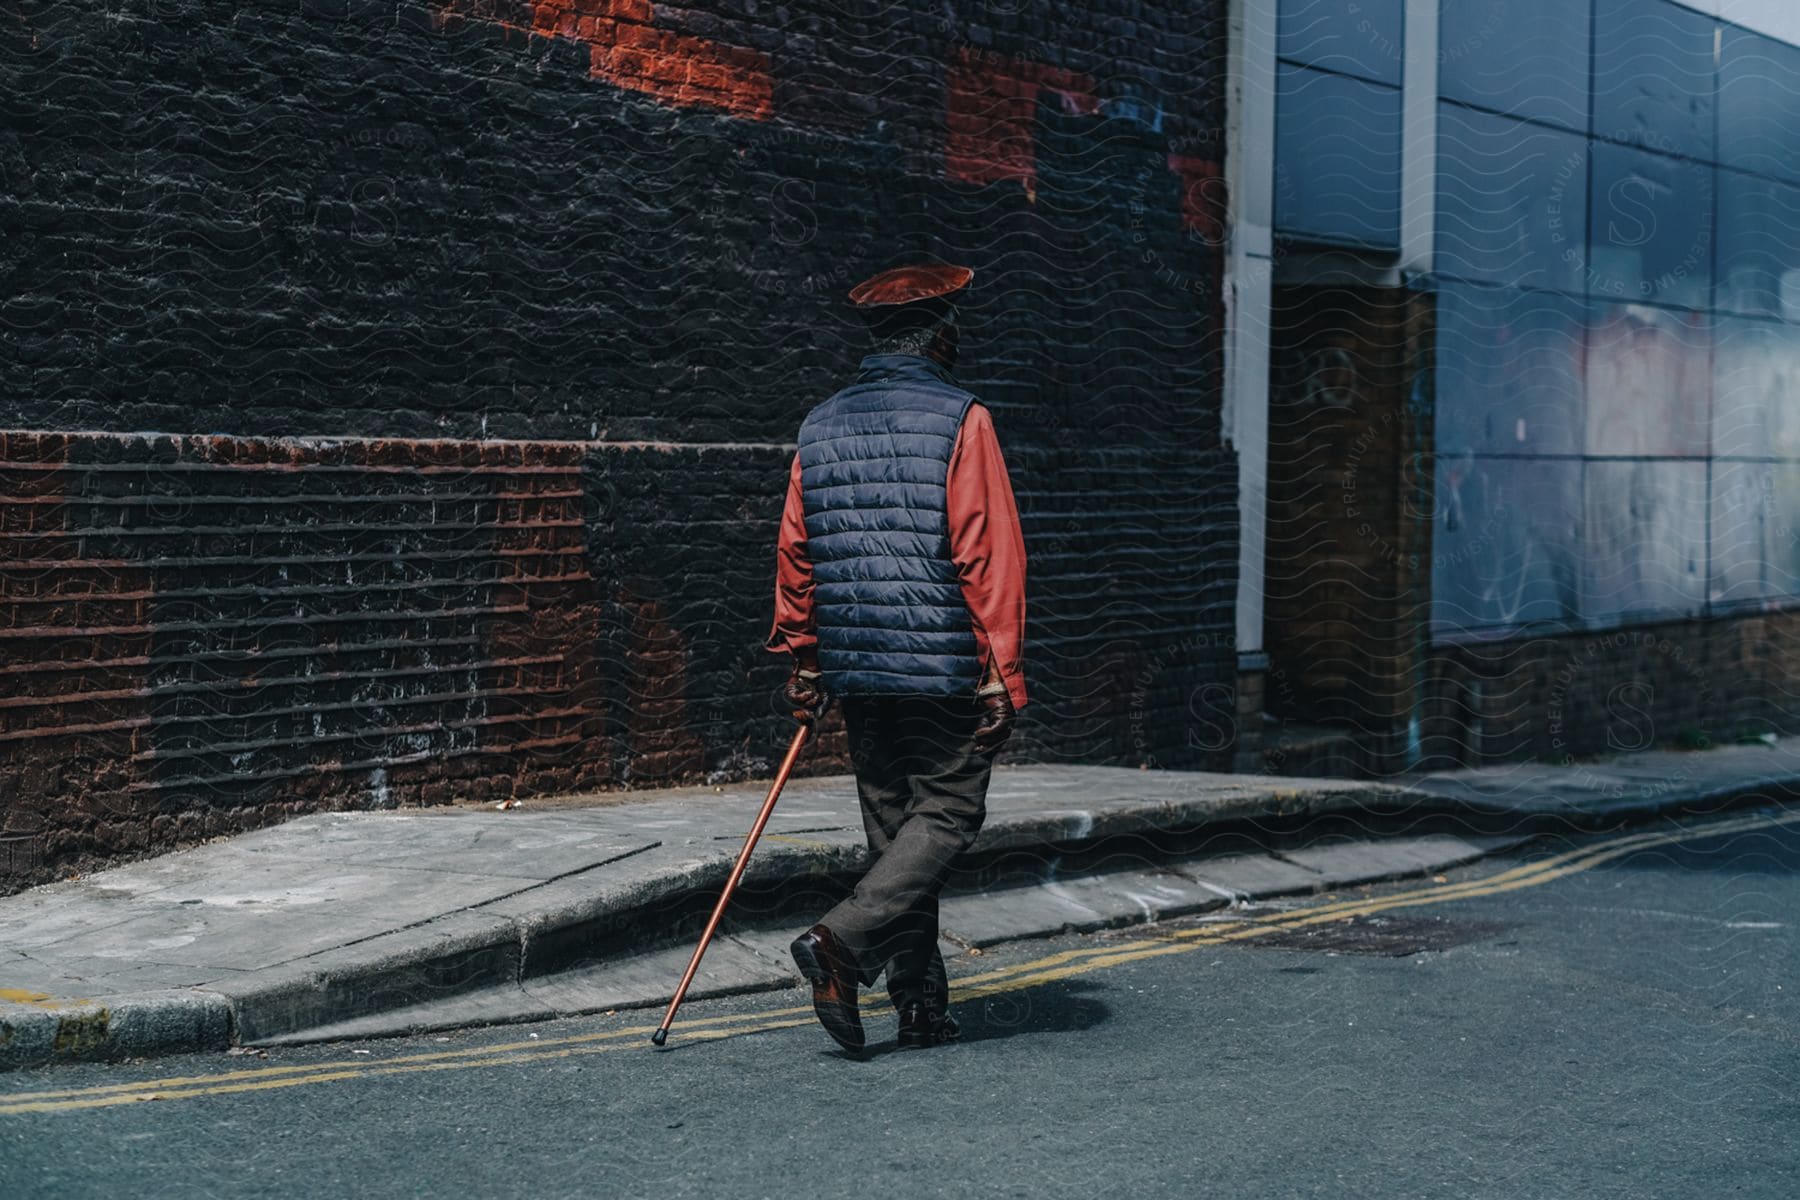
(737, 871)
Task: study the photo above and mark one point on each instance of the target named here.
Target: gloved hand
(996, 723)
(804, 694)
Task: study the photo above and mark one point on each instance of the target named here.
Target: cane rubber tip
(659, 1037)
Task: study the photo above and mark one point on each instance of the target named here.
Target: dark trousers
(923, 789)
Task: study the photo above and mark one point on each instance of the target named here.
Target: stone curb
(139, 1026)
(482, 947)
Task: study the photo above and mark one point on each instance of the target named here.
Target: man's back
(874, 463)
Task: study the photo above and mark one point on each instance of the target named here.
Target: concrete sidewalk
(311, 927)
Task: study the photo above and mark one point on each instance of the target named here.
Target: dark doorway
(1348, 566)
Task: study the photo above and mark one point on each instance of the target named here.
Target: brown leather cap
(904, 285)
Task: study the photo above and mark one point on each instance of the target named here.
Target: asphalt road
(1614, 1016)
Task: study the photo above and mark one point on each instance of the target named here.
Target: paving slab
(1587, 794)
(47, 916)
(84, 978)
(1243, 877)
(545, 847)
(1073, 905)
(1002, 915)
(1373, 861)
(277, 918)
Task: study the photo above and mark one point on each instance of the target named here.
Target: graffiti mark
(992, 115)
(84, 1033)
(1203, 198)
(628, 50)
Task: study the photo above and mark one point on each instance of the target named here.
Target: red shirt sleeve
(988, 547)
(794, 629)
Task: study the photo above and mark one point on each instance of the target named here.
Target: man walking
(900, 591)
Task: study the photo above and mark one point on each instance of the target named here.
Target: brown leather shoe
(830, 970)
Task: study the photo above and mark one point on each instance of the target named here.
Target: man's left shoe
(921, 1027)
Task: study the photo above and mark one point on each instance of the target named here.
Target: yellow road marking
(1050, 968)
(375, 1069)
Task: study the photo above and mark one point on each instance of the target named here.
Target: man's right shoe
(832, 973)
(922, 1027)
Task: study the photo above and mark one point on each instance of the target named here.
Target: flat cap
(905, 285)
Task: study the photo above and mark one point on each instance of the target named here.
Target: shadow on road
(1049, 1008)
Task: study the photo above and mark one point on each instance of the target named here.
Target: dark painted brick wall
(621, 233)
(1578, 696)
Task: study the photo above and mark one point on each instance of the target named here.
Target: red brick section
(211, 633)
(991, 107)
(626, 49)
(662, 745)
(991, 115)
(547, 656)
(74, 655)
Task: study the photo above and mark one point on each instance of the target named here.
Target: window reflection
(1527, 58)
(1512, 201)
(1509, 367)
(1617, 418)
(1337, 143)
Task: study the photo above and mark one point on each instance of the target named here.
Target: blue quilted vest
(873, 462)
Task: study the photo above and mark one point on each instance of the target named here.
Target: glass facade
(1337, 122)
(1526, 58)
(1617, 262)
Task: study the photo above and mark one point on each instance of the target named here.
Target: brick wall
(601, 243)
(1577, 696)
(202, 634)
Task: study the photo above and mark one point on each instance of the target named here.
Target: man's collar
(901, 366)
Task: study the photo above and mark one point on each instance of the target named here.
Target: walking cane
(743, 860)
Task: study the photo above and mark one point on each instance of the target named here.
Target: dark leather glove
(996, 723)
(804, 694)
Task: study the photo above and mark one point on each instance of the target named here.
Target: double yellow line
(969, 987)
